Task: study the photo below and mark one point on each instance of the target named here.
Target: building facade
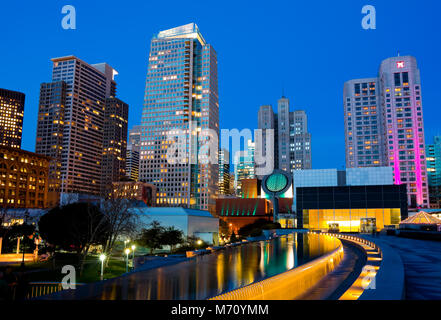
(365, 144)
(135, 190)
(433, 158)
(132, 156)
(11, 117)
(244, 167)
(116, 115)
(71, 122)
(351, 208)
(292, 141)
(333, 178)
(396, 118)
(24, 179)
(224, 172)
(181, 102)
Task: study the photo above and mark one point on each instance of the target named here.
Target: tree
(8, 233)
(172, 237)
(75, 227)
(151, 237)
(233, 237)
(122, 220)
(224, 228)
(255, 228)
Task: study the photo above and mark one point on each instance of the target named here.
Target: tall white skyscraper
(181, 95)
(390, 131)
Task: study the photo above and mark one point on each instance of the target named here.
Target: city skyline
(303, 65)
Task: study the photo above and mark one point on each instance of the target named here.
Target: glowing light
(400, 64)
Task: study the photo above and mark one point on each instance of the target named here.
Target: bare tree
(122, 218)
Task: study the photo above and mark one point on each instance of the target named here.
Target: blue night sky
(310, 48)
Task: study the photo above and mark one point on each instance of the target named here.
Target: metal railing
(36, 289)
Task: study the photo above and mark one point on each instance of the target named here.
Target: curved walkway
(332, 286)
(422, 265)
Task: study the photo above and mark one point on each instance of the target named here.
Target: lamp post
(102, 258)
(127, 251)
(133, 255)
(24, 248)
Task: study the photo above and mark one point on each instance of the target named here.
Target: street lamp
(24, 248)
(102, 258)
(133, 255)
(127, 251)
(199, 242)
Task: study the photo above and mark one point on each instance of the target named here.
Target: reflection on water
(210, 275)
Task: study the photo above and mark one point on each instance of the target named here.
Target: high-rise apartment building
(116, 116)
(365, 144)
(11, 117)
(292, 141)
(132, 156)
(433, 158)
(390, 131)
(71, 121)
(181, 99)
(224, 172)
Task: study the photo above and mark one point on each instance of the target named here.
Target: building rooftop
(173, 211)
(421, 218)
(190, 31)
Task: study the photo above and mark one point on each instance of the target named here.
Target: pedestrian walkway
(334, 284)
(422, 265)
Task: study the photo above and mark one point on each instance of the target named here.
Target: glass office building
(181, 99)
(433, 158)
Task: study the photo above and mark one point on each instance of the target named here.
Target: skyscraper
(116, 116)
(433, 158)
(11, 117)
(181, 97)
(365, 144)
(292, 141)
(224, 172)
(244, 166)
(132, 156)
(71, 121)
(266, 121)
(397, 119)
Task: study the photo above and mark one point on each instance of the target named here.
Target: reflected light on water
(210, 275)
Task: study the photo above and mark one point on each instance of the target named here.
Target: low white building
(191, 222)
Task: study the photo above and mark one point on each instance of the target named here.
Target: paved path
(334, 284)
(422, 266)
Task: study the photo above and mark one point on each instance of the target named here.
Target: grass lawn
(50, 271)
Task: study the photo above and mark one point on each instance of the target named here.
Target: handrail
(39, 288)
